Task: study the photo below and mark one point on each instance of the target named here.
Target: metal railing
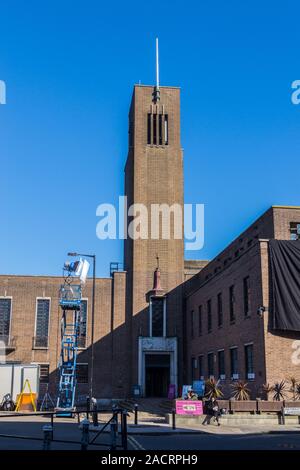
(118, 419)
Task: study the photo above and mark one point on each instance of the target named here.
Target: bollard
(95, 412)
(113, 431)
(47, 430)
(173, 418)
(52, 424)
(85, 434)
(282, 416)
(124, 429)
(136, 406)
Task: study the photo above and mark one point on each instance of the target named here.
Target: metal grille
(42, 323)
(5, 311)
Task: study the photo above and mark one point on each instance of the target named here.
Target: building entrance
(157, 374)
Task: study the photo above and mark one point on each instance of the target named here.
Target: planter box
(223, 404)
(269, 406)
(248, 406)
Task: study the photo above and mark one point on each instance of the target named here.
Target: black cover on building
(285, 284)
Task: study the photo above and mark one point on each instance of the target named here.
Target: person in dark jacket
(216, 411)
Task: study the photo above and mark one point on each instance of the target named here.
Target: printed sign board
(199, 387)
(189, 407)
(185, 390)
(292, 411)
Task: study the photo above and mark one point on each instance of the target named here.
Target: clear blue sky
(69, 67)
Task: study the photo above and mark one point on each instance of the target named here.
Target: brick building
(147, 329)
(228, 310)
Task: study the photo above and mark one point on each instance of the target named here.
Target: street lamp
(93, 316)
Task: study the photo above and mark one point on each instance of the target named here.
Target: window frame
(9, 297)
(164, 316)
(35, 323)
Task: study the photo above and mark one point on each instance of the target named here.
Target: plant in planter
(212, 390)
(266, 390)
(240, 391)
(279, 391)
(297, 392)
(293, 382)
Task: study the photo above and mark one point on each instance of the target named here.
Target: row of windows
(81, 373)
(216, 364)
(220, 310)
(157, 129)
(42, 321)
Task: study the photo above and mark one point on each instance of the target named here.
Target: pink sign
(189, 407)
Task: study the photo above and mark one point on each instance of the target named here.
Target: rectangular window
(44, 373)
(194, 368)
(200, 367)
(166, 130)
(192, 324)
(210, 364)
(154, 129)
(200, 320)
(247, 296)
(234, 363)
(149, 129)
(82, 324)
(82, 373)
(221, 364)
(295, 230)
(157, 309)
(220, 310)
(160, 130)
(209, 319)
(231, 304)
(249, 368)
(5, 315)
(42, 323)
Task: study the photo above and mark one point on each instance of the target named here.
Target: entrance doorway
(157, 374)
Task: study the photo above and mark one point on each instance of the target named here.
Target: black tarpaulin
(285, 284)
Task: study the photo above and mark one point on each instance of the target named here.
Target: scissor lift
(70, 303)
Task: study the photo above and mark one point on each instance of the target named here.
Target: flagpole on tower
(156, 94)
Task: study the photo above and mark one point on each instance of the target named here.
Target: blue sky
(69, 67)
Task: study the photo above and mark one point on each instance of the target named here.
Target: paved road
(284, 441)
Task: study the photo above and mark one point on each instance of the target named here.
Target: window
(82, 324)
(192, 323)
(200, 367)
(194, 368)
(247, 296)
(42, 323)
(166, 137)
(220, 310)
(234, 363)
(44, 373)
(149, 129)
(5, 314)
(221, 364)
(249, 362)
(160, 130)
(200, 320)
(295, 230)
(231, 304)
(154, 140)
(157, 316)
(82, 373)
(209, 319)
(210, 364)
(157, 129)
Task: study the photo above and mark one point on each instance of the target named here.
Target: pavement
(149, 436)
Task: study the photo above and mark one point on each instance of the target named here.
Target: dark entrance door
(157, 375)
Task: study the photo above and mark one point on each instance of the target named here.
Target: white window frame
(11, 314)
(35, 322)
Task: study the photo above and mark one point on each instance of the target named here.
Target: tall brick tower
(154, 175)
